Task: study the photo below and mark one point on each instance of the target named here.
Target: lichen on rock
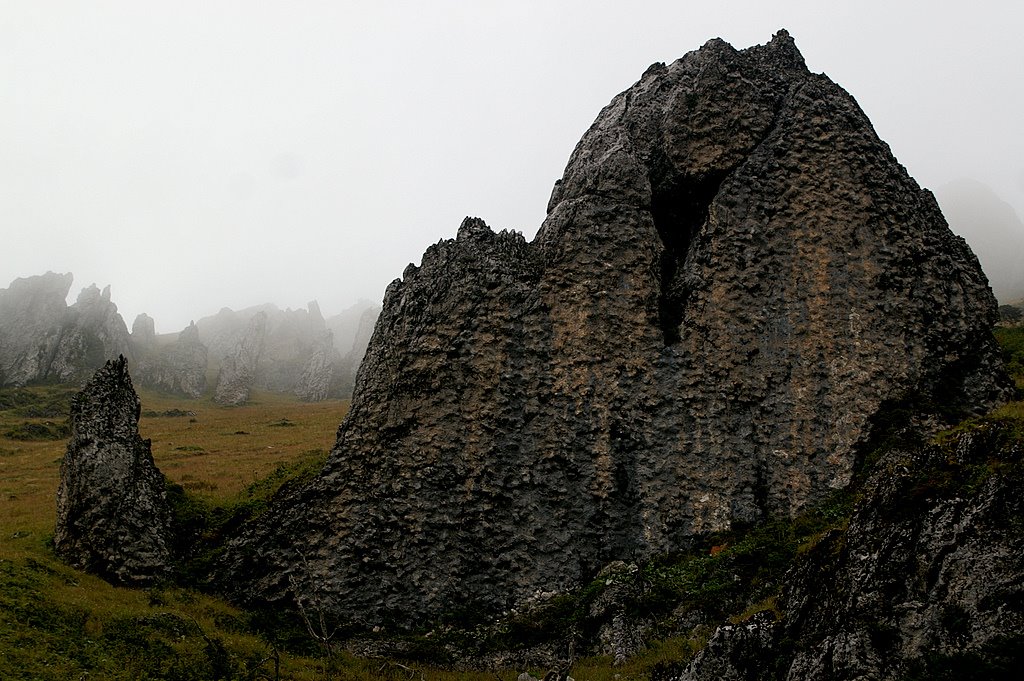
(112, 513)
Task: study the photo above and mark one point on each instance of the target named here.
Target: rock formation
(292, 338)
(32, 313)
(176, 365)
(238, 372)
(112, 514)
(143, 332)
(924, 583)
(318, 374)
(346, 367)
(735, 282)
(42, 339)
(300, 353)
(348, 324)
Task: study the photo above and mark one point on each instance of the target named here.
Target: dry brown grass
(220, 450)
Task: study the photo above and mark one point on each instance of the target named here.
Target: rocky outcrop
(292, 338)
(238, 372)
(42, 339)
(349, 327)
(924, 583)
(176, 366)
(735, 283)
(143, 332)
(112, 514)
(32, 314)
(317, 376)
(299, 352)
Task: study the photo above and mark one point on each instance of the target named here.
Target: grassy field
(59, 623)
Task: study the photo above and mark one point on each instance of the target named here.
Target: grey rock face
(349, 324)
(346, 366)
(112, 515)
(298, 352)
(32, 313)
(177, 367)
(143, 331)
(238, 372)
(315, 384)
(44, 339)
(924, 583)
(93, 333)
(734, 279)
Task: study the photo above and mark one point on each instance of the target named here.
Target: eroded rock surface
(112, 514)
(735, 280)
(924, 583)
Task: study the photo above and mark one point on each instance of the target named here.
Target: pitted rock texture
(42, 339)
(112, 513)
(924, 583)
(735, 278)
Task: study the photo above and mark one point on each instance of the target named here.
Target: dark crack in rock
(112, 514)
(734, 280)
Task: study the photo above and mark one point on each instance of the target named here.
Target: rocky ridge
(42, 339)
(735, 284)
(112, 514)
(300, 351)
(177, 366)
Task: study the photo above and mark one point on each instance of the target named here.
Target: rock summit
(736, 286)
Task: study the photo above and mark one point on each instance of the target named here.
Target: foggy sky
(195, 155)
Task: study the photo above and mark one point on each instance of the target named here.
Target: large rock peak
(44, 339)
(734, 282)
(112, 514)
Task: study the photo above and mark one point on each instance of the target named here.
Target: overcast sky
(195, 155)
